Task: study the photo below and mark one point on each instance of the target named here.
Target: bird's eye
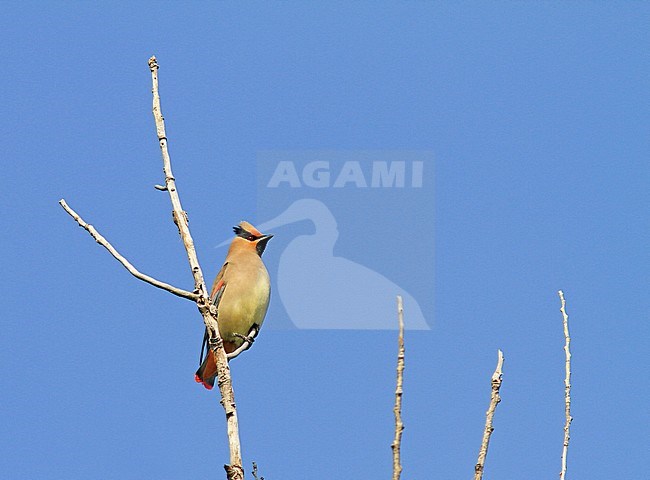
(250, 237)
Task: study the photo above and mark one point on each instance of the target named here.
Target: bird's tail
(208, 369)
(207, 372)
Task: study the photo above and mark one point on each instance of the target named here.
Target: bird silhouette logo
(322, 291)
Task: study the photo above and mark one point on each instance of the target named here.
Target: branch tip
(153, 63)
(496, 380)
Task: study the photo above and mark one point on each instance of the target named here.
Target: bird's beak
(261, 244)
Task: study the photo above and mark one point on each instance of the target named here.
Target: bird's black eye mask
(240, 232)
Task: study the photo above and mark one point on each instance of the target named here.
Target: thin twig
(255, 472)
(134, 271)
(494, 400)
(397, 409)
(567, 384)
(234, 471)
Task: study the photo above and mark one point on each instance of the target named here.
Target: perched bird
(241, 294)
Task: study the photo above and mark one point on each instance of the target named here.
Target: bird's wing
(218, 287)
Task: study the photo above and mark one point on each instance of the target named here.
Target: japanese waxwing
(241, 294)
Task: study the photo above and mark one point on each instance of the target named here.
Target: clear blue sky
(537, 117)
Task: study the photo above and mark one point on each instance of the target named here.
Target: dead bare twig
(397, 409)
(134, 271)
(494, 400)
(567, 384)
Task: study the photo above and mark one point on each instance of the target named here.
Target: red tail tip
(198, 379)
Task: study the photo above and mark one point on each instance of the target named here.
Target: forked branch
(200, 295)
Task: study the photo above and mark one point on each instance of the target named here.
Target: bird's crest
(247, 231)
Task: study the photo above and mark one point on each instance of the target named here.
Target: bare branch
(234, 471)
(180, 217)
(397, 409)
(567, 384)
(494, 400)
(134, 271)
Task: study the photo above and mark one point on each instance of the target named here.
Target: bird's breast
(245, 298)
